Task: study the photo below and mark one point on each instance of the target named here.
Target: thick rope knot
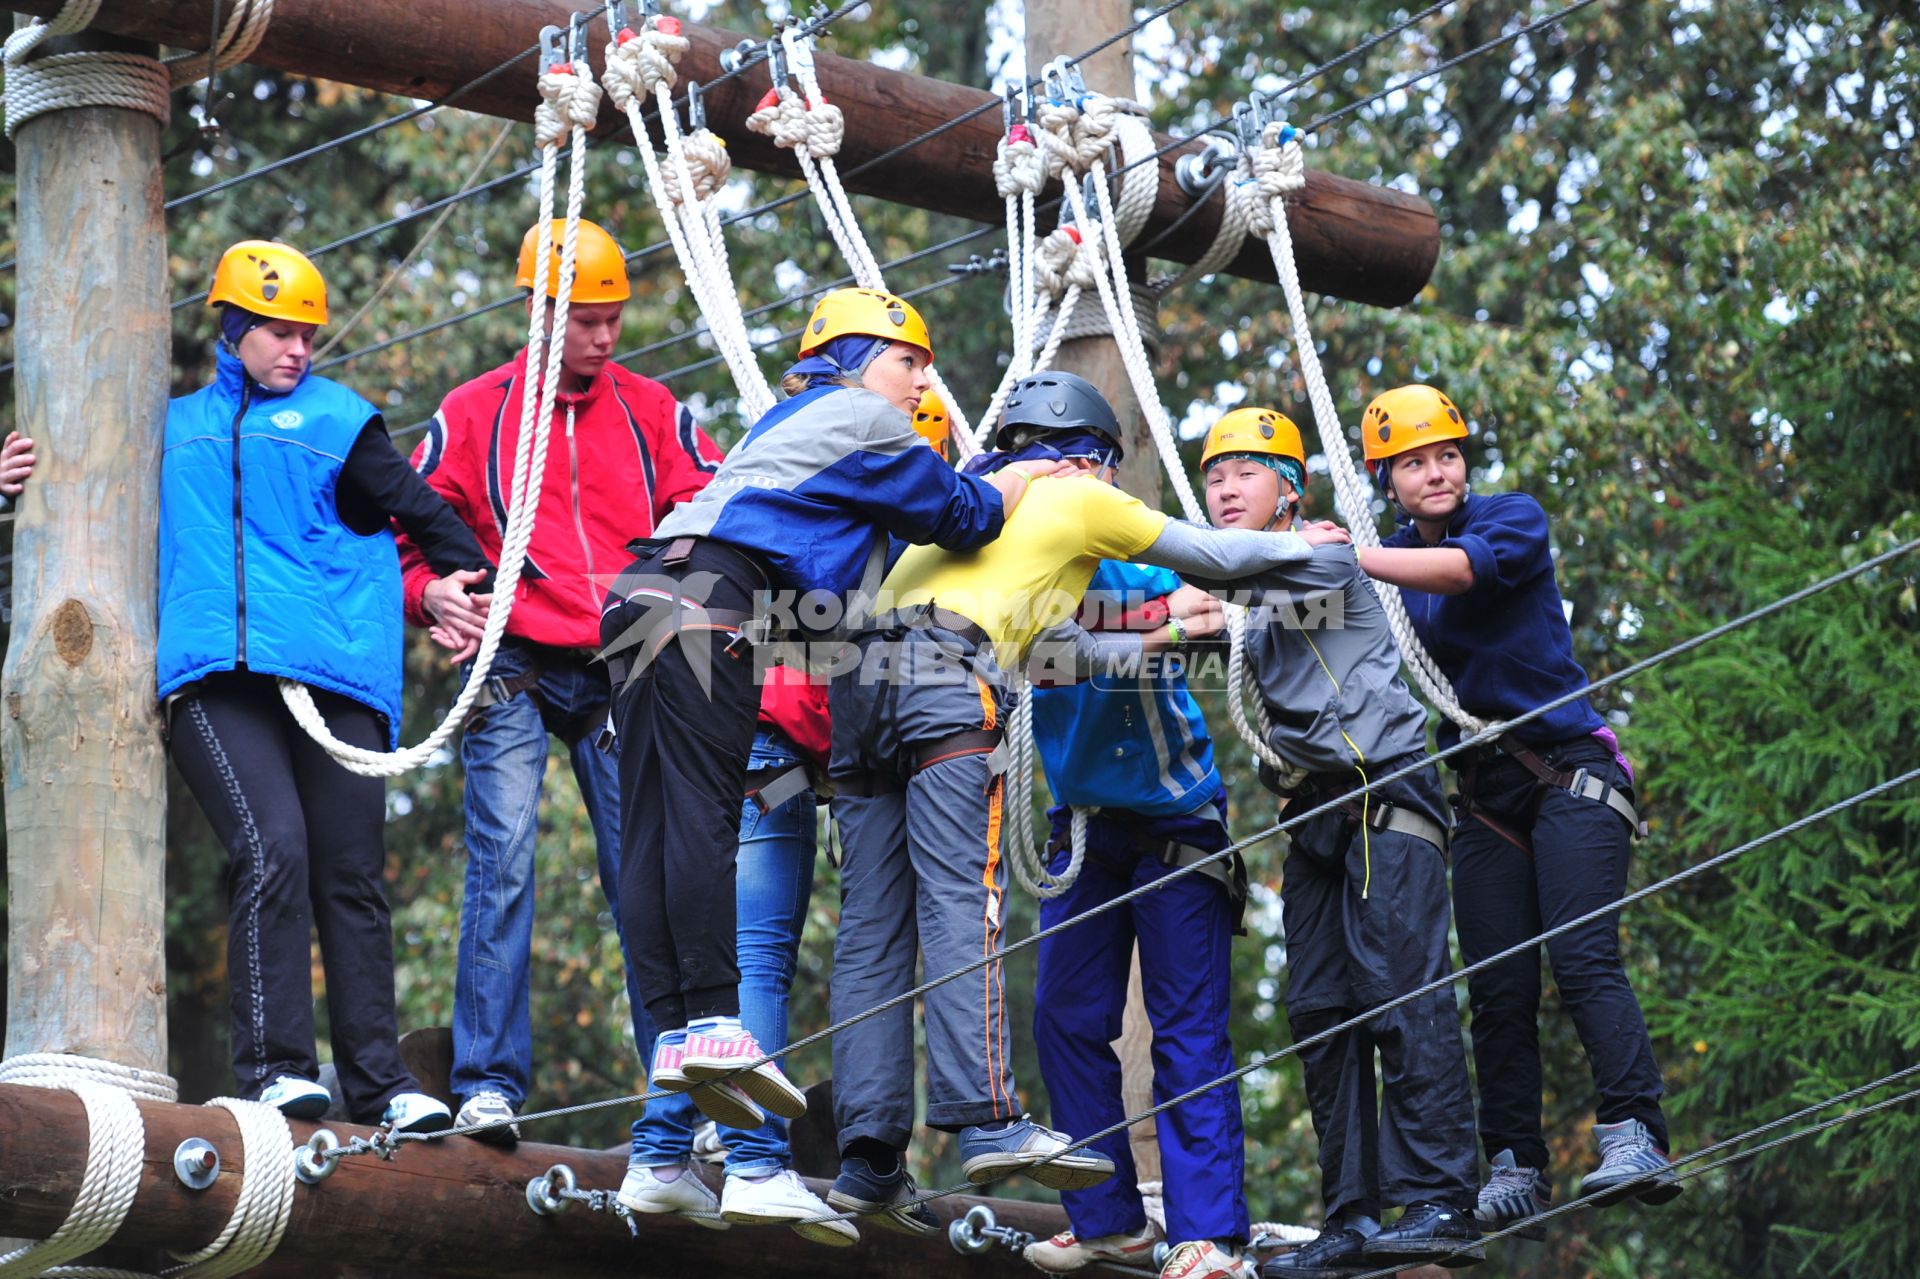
(1065, 260)
(1094, 132)
(708, 164)
(826, 129)
(568, 99)
(646, 60)
(781, 117)
(1275, 171)
(1056, 123)
(1019, 167)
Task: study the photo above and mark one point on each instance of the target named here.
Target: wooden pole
(451, 1207)
(85, 774)
(1054, 28)
(1355, 241)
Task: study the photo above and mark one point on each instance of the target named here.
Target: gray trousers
(921, 870)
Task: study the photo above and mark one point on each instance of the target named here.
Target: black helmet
(1051, 401)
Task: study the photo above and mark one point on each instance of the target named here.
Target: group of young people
(833, 609)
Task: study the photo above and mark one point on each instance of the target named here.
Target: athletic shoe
(1335, 1254)
(1205, 1259)
(784, 1200)
(669, 1053)
(707, 1146)
(987, 1155)
(721, 1046)
(686, 1196)
(489, 1108)
(1627, 1155)
(417, 1112)
(1065, 1253)
(721, 1101)
(296, 1098)
(888, 1198)
(1514, 1194)
(1428, 1233)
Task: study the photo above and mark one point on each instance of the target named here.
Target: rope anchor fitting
(557, 1189)
(196, 1163)
(976, 1233)
(316, 1161)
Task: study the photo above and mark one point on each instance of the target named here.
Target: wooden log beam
(452, 1207)
(85, 775)
(1353, 240)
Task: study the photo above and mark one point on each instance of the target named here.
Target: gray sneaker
(489, 1108)
(1630, 1165)
(1021, 1147)
(1514, 1194)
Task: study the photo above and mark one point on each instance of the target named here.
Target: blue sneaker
(416, 1112)
(888, 1198)
(1514, 1194)
(296, 1098)
(1630, 1165)
(987, 1155)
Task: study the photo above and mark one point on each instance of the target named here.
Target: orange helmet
(867, 312)
(1406, 418)
(599, 267)
(1255, 432)
(930, 422)
(270, 279)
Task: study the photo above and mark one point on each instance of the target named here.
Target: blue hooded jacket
(257, 569)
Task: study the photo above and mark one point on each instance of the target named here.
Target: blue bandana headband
(1055, 447)
(841, 357)
(1287, 467)
(236, 322)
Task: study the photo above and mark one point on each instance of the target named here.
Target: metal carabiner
(777, 62)
(1055, 81)
(619, 18)
(553, 53)
(696, 109)
(798, 47)
(577, 38)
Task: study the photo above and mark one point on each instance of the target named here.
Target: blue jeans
(504, 750)
(774, 885)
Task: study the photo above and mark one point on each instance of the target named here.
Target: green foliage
(1678, 293)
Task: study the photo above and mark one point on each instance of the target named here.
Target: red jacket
(633, 453)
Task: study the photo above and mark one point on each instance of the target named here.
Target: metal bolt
(196, 1163)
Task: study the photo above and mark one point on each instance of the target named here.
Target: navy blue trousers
(1502, 895)
(1184, 930)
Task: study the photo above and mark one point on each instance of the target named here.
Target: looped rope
(116, 1151)
(1018, 167)
(240, 35)
(1027, 855)
(572, 97)
(1276, 166)
(35, 86)
(259, 1219)
(649, 59)
(56, 1070)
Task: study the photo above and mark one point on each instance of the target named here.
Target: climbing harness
(569, 105)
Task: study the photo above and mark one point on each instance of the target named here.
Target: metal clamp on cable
(977, 1232)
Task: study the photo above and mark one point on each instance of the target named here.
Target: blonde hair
(794, 383)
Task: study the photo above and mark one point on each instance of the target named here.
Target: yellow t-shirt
(1034, 574)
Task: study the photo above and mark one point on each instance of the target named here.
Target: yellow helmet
(866, 312)
(1255, 432)
(1406, 418)
(599, 267)
(930, 422)
(270, 279)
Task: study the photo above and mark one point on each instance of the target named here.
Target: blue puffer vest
(257, 570)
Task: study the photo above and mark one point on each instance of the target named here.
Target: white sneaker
(686, 1196)
(1064, 1253)
(415, 1112)
(707, 1146)
(784, 1200)
(1205, 1259)
(488, 1108)
(296, 1098)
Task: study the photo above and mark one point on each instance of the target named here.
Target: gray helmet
(1051, 401)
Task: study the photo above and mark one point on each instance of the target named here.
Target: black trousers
(1504, 894)
(684, 712)
(1365, 913)
(306, 850)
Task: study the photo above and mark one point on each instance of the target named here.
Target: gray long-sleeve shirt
(1327, 665)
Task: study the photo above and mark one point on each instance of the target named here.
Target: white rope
(1027, 855)
(240, 35)
(60, 81)
(116, 1151)
(56, 1070)
(259, 1219)
(1235, 210)
(1277, 168)
(646, 64)
(570, 102)
(814, 128)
